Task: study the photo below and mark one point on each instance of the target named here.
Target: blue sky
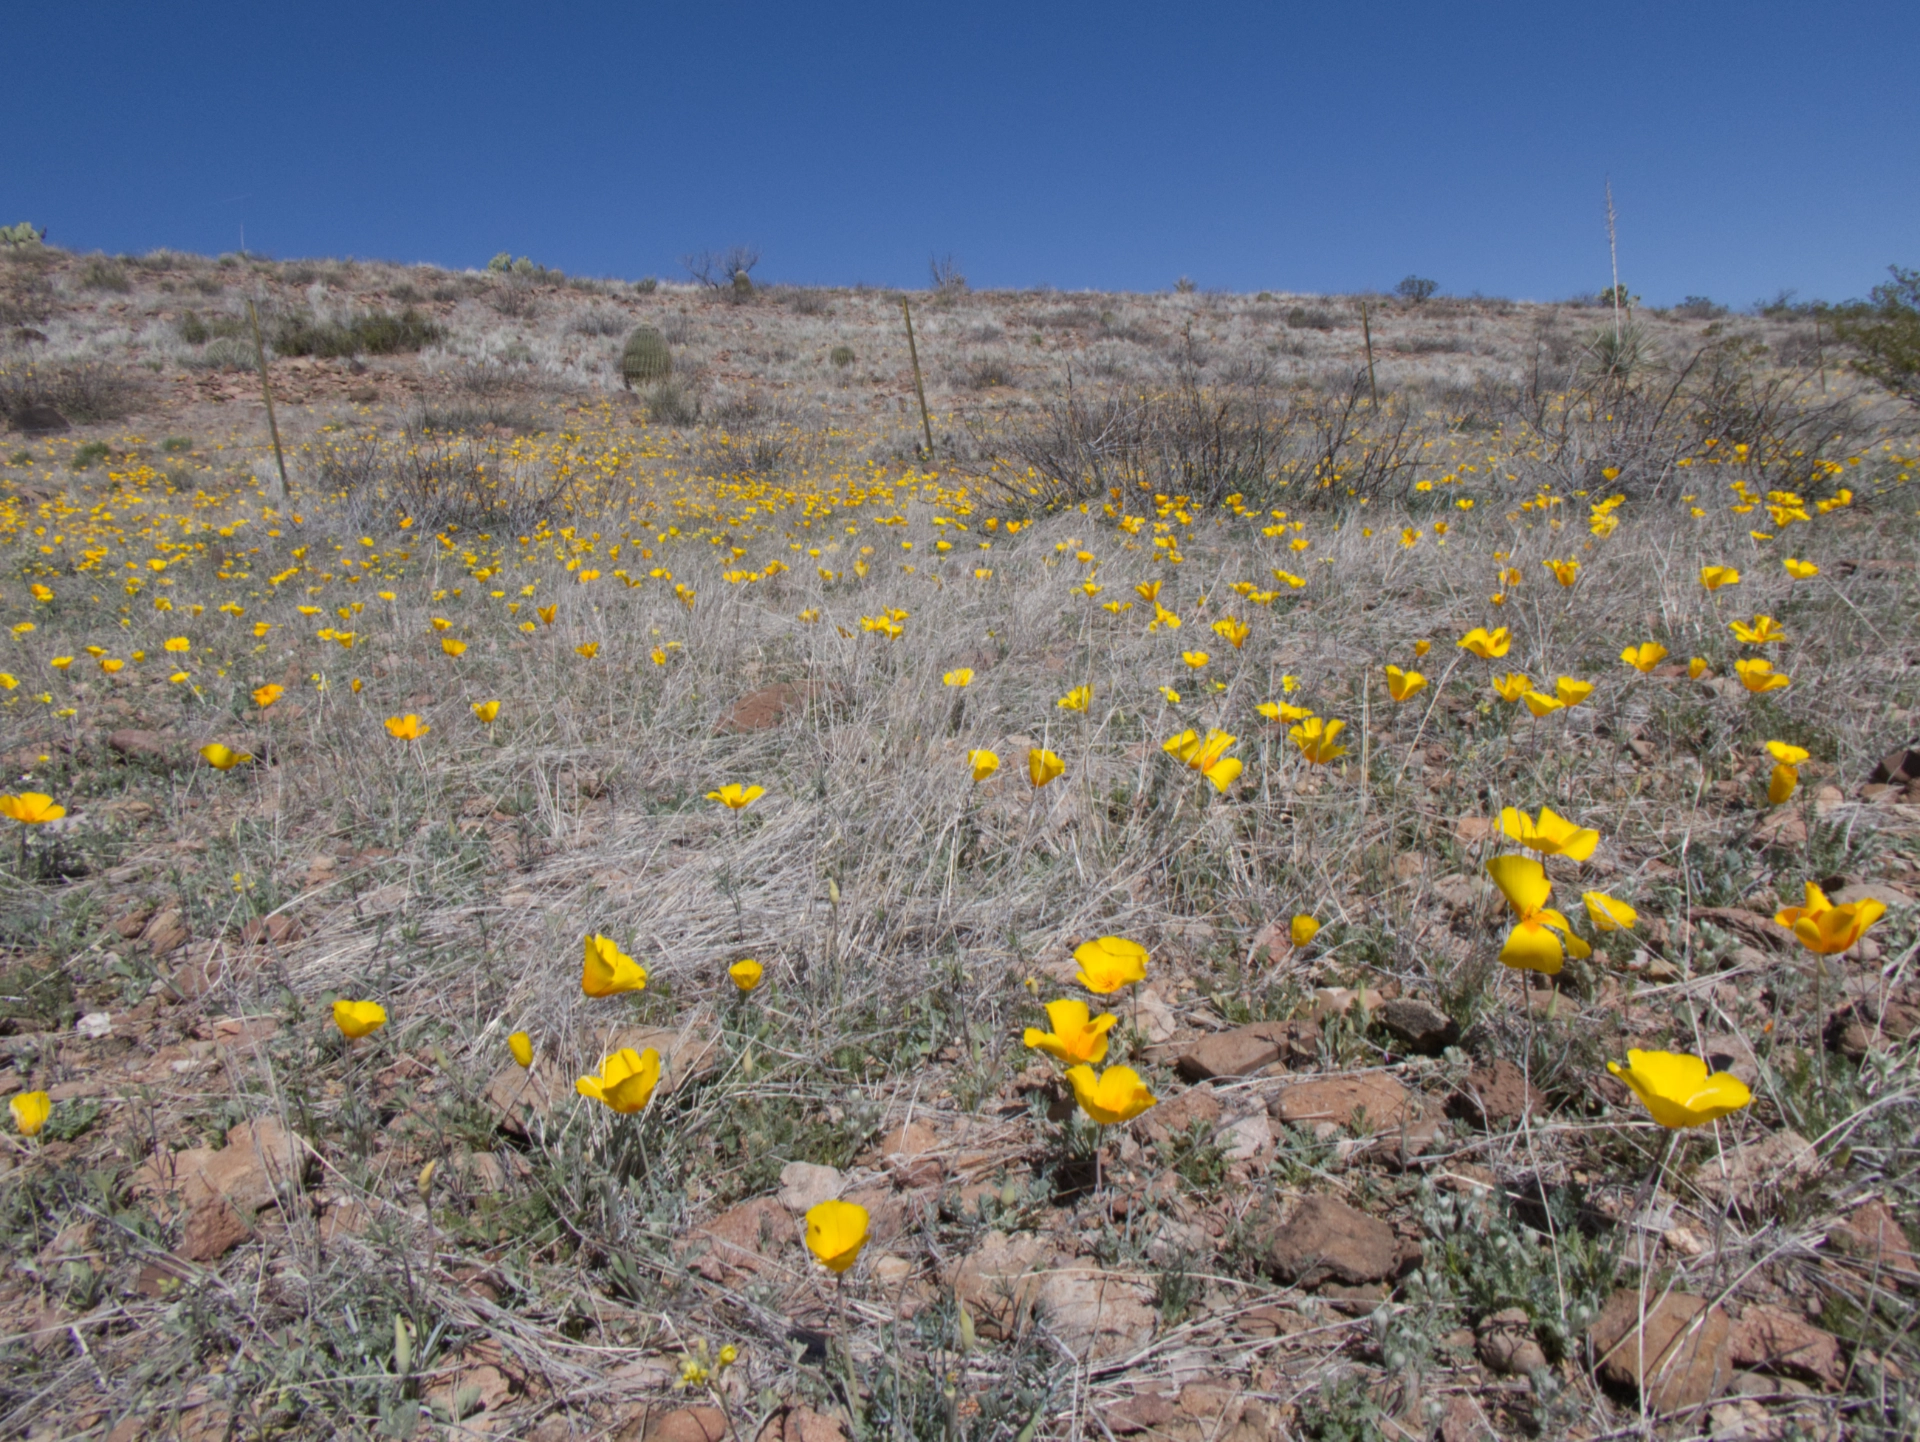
(1751, 147)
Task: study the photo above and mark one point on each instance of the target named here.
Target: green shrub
(1888, 334)
(841, 356)
(646, 285)
(1416, 288)
(21, 236)
(669, 405)
(192, 329)
(375, 333)
(99, 272)
(646, 357)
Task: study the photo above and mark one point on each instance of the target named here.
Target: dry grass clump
(662, 611)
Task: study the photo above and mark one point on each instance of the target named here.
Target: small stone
(213, 1229)
(1505, 1342)
(1241, 1052)
(1420, 1025)
(1497, 1093)
(800, 1423)
(806, 1184)
(166, 933)
(1872, 1236)
(1753, 1175)
(743, 1239)
(1097, 1314)
(1766, 1339)
(999, 1282)
(1324, 1239)
(1246, 1138)
(1679, 1360)
(1172, 1117)
(1460, 893)
(688, 1424)
(761, 710)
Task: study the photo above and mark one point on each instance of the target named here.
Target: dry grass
(900, 911)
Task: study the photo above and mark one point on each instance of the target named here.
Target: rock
(1748, 926)
(166, 933)
(1272, 945)
(1727, 1052)
(998, 1283)
(275, 930)
(1324, 1239)
(1420, 1025)
(1680, 1359)
(1172, 1117)
(1872, 1235)
(1474, 830)
(743, 1239)
(1240, 1052)
(1384, 1103)
(138, 745)
(519, 1097)
(1464, 1421)
(1096, 1314)
(39, 419)
(1144, 1412)
(1766, 1339)
(213, 1229)
(1459, 892)
(761, 710)
(1339, 1000)
(687, 1424)
(260, 1158)
(1752, 1175)
(804, 1185)
(1409, 866)
(1355, 1301)
(1155, 1018)
(1245, 1138)
(1885, 892)
(1497, 1093)
(1505, 1342)
(800, 1423)
(906, 1152)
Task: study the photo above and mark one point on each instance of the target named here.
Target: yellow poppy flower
(1696, 668)
(486, 711)
(60, 663)
(1148, 590)
(1076, 1037)
(608, 970)
(178, 644)
(736, 797)
(588, 650)
(1532, 944)
(1317, 740)
(1487, 645)
(1076, 700)
(112, 665)
(1644, 657)
(626, 1080)
(1551, 835)
(31, 808)
(962, 676)
(1420, 648)
(546, 614)
(1541, 705)
(440, 623)
(836, 1231)
(30, 1112)
(1800, 570)
(746, 974)
(1108, 963)
(1826, 929)
(358, 1018)
(266, 695)
(453, 647)
(1676, 1089)
(1115, 1096)
(1043, 766)
(1512, 686)
(521, 1045)
(1571, 692)
(1759, 676)
(1714, 577)
(223, 758)
(1565, 572)
(1233, 632)
(1281, 711)
(1302, 929)
(1608, 913)
(984, 764)
(1761, 631)
(1402, 684)
(407, 728)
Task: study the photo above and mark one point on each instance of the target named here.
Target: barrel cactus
(645, 358)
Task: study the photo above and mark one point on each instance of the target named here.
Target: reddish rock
(1505, 1342)
(276, 930)
(1872, 1235)
(1419, 1026)
(1240, 1052)
(744, 1239)
(166, 933)
(687, 1424)
(800, 1423)
(213, 1229)
(1497, 1093)
(761, 710)
(1146, 1412)
(1172, 1117)
(998, 1283)
(1324, 1239)
(1385, 1103)
(1682, 1357)
(137, 745)
(1766, 1339)
(260, 1159)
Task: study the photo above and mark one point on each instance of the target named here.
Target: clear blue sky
(1319, 147)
